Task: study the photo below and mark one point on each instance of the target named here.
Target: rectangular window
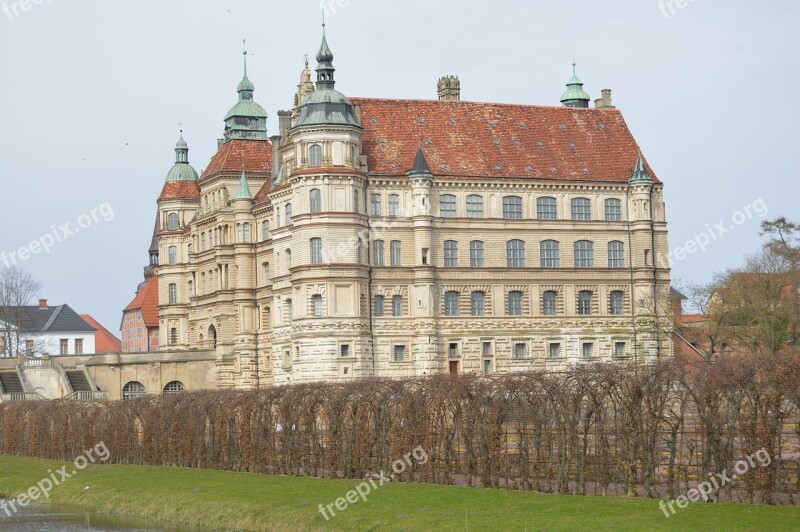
(315, 200)
(63, 347)
(397, 305)
(584, 302)
(377, 253)
(519, 350)
(554, 350)
(452, 350)
(512, 208)
(78, 347)
(549, 254)
(619, 349)
(375, 205)
(451, 304)
(477, 303)
(476, 254)
(616, 254)
(587, 349)
(450, 254)
(515, 303)
(173, 336)
(487, 366)
(317, 300)
(615, 303)
(395, 252)
(394, 205)
(584, 254)
(356, 198)
(399, 353)
(549, 303)
(447, 206)
(378, 306)
(344, 350)
(486, 349)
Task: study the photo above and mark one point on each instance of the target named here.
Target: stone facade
(522, 237)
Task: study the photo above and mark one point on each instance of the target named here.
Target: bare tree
(17, 289)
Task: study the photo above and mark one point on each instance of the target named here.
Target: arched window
(514, 303)
(394, 205)
(581, 209)
(616, 254)
(476, 303)
(549, 255)
(173, 388)
(584, 254)
(172, 221)
(315, 200)
(288, 212)
(474, 206)
(315, 155)
(546, 208)
(447, 206)
(613, 210)
(549, 303)
(451, 304)
(512, 208)
(133, 390)
(316, 251)
(515, 254)
(476, 254)
(615, 302)
(212, 336)
(172, 253)
(316, 301)
(173, 294)
(450, 254)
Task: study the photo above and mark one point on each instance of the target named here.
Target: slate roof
(61, 318)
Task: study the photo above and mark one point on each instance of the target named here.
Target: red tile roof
(470, 139)
(693, 318)
(104, 340)
(180, 190)
(146, 300)
(252, 155)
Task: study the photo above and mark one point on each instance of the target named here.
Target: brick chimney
(449, 88)
(43, 304)
(605, 101)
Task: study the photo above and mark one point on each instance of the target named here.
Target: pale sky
(92, 93)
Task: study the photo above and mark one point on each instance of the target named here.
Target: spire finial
(244, 54)
(573, 64)
(323, 22)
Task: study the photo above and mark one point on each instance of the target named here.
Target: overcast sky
(92, 93)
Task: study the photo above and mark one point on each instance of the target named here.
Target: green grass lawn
(241, 501)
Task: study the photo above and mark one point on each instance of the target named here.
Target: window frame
(515, 253)
(583, 254)
(545, 209)
(581, 209)
(450, 254)
(451, 301)
(512, 209)
(613, 210)
(474, 206)
(448, 200)
(314, 200)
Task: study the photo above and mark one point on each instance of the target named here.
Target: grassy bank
(240, 501)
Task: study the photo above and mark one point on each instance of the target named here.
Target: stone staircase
(77, 379)
(10, 383)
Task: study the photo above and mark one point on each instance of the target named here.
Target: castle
(396, 238)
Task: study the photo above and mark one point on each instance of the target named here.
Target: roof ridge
(53, 317)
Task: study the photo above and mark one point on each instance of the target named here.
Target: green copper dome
(247, 119)
(326, 105)
(575, 95)
(182, 170)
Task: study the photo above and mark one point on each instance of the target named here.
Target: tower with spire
(247, 119)
(575, 96)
